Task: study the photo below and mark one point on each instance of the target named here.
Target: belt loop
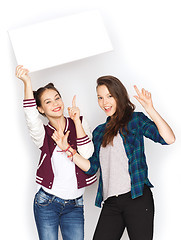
(76, 200)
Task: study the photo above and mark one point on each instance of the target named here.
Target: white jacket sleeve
(85, 145)
(34, 123)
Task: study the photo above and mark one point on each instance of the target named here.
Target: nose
(105, 101)
(55, 103)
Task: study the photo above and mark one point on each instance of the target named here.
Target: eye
(110, 96)
(57, 98)
(99, 98)
(48, 102)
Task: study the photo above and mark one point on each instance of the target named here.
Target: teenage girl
(59, 200)
(124, 187)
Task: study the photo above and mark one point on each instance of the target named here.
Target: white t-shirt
(65, 181)
(114, 167)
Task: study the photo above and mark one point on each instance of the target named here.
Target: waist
(128, 194)
(61, 199)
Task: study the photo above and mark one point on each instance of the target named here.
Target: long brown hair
(124, 108)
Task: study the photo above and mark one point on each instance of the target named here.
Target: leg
(47, 220)
(139, 216)
(110, 225)
(72, 221)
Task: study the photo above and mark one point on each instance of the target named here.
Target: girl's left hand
(144, 97)
(74, 111)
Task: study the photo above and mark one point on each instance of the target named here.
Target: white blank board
(58, 41)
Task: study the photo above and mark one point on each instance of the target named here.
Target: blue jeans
(51, 212)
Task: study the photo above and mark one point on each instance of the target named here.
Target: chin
(109, 114)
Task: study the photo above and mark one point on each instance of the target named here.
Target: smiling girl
(124, 187)
(61, 183)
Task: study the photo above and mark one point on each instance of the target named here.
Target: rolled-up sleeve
(150, 129)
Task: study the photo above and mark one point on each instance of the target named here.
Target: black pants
(123, 212)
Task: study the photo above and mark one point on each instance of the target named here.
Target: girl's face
(51, 104)
(106, 102)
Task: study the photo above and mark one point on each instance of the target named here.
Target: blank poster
(59, 41)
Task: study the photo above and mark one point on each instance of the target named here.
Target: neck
(58, 123)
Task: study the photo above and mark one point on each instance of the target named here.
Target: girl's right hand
(61, 139)
(22, 73)
(74, 111)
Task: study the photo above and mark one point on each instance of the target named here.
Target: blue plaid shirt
(139, 126)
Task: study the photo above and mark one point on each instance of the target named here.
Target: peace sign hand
(144, 97)
(61, 139)
(74, 111)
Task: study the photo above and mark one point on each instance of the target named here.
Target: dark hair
(124, 108)
(37, 94)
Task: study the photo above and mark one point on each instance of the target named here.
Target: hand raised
(22, 73)
(143, 97)
(74, 111)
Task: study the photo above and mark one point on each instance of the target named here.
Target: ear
(40, 109)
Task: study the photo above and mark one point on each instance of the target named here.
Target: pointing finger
(74, 101)
(137, 90)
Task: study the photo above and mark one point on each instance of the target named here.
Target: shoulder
(138, 116)
(99, 128)
(138, 119)
(99, 132)
(135, 118)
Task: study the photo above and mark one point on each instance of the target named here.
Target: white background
(147, 52)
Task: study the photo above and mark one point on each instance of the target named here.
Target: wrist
(152, 113)
(27, 82)
(70, 153)
(66, 149)
(77, 121)
(150, 109)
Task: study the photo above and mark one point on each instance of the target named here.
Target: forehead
(102, 90)
(49, 93)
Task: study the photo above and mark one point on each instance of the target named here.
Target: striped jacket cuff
(29, 103)
(83, 140)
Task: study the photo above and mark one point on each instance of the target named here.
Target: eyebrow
(46, 99)
(106, 94)
(50, 98)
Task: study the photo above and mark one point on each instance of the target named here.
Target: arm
(81, 162)
(84, 144)
(144, 97)
(34, 123)
(74, 114)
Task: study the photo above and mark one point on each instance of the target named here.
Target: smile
(107, 109)
(56, 109)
